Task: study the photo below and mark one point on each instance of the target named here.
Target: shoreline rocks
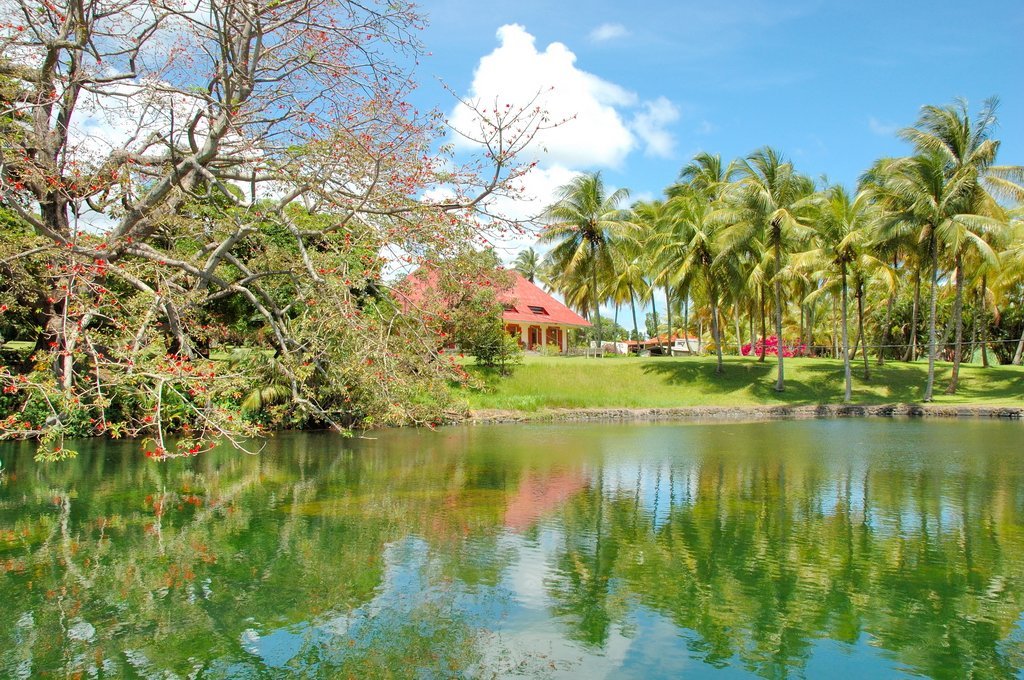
(713, 413)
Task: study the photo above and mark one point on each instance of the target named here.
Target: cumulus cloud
(599, 130)
(650, 124)
(606, 32)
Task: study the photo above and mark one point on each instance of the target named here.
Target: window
(510, 308)
(538, 310)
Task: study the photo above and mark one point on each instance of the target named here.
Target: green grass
(662, 382)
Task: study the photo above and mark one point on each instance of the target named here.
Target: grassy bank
(662, 382)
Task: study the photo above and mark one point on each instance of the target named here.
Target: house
(533, 317)
(536, 318)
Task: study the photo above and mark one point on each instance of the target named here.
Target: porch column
(524, 334)
(565, 339)
(543, 337)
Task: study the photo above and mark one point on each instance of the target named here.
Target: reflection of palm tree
(581, 591)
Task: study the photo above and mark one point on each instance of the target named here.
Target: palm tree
(527, 263)
(630, 268)
(917, 193)
(844, 225)
(702, 259)
(770, 200)
(582, 224)
(967, 152)
(664, 236)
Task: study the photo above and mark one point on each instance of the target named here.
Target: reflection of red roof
(540, 494)
(521, 297)
(525, 295)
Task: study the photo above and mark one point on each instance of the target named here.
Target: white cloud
(882, 129)
(596, 132)
(604, 123)
(650, 124)
(606, 32)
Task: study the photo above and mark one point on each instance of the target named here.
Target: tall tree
(527, 263)
(770, 200)
(968, 154)
(582, 224)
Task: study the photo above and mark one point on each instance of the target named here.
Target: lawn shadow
(905, 383)
(754, 377)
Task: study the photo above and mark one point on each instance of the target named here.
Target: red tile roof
(522, 296)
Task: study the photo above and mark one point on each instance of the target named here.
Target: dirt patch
(747, 413)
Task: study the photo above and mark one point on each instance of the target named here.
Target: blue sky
(827, 83)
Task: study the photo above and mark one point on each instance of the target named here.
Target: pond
(867, 548)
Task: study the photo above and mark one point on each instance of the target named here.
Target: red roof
(525, 296)
(529, 303)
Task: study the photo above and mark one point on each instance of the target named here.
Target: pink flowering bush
(772, 347)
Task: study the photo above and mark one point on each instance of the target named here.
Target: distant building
(532, 316)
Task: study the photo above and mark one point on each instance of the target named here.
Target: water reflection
(764, 549)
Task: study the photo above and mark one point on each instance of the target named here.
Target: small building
(676, 345)
(533, 317)
(536, 318)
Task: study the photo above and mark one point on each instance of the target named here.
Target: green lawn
(662, 382)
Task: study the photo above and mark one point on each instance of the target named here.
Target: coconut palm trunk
(846, 342)
(780, 384)
(668, 314)
(932, 339)
(739, 338)
(912, 347)
(984, 321)
(861, 338)
(958, 321)
(715, 333)
(887, 331)
(632, 305)
(593, 292)
(764, 327)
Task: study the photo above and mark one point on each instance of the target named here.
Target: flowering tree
(176, 168)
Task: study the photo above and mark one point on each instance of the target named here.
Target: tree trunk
(846, 343)
(764, 327)
(739, 338)
(632, 305)
(668, 314)
(597, 308)
(974, 328)
(780, 383)
(686, 318)
(835, 330)
(911, 354)
(886, 332)
(1019, 354)
(860, 331)
(984, 321)
(932, 340)
(750, 319)
(958, 321)
(714, 331)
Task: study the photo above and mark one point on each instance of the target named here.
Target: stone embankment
(748, 413)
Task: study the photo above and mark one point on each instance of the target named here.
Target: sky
(652, 83)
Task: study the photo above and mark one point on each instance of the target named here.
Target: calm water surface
(830, 548)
